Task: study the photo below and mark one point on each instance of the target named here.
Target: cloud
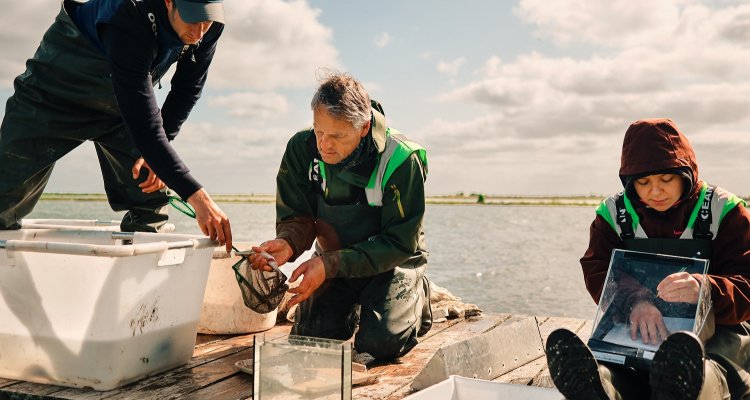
(225, 159)
(251, 105)
(271, 44)
(611, 23)
(451, 67)
(234, 158)
(544, 114)
(372, 87)
(699, 83)
(491, 162)
(267, 44)
(382, 40)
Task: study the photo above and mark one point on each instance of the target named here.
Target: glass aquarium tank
(302, 368)
(630, 288)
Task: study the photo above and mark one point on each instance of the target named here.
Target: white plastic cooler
(83, 307)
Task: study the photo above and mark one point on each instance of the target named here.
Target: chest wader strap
(623, 219)
(702, 226)
(316, 173)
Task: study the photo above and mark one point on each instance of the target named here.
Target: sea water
(505, 259)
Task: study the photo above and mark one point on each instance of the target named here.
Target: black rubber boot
(573, 368)
(676, 371)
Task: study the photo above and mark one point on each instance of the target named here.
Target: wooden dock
(211, 373)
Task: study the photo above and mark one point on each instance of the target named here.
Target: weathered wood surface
(211, 373)
(535, 373)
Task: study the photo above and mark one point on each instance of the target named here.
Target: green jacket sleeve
(295, 199)
(401, 229)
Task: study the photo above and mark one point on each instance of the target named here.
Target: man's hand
(647, 319)
(679, 287)
(152, 182)
(212, 221)
(314, 275)
(279, 249)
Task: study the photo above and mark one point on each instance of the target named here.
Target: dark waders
(391, 309)
(63, 99)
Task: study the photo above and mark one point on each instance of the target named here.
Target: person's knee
(715, 384)
(382, 344)
(323, 323)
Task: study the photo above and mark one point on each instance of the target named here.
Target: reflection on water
(520, 260)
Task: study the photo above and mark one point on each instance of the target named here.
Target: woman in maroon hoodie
(665, 209)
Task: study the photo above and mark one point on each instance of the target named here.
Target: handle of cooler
(101, 250)
(198, 243)
(82, 248)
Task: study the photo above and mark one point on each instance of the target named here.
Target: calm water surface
(521, 260)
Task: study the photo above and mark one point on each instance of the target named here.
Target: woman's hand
(647, 319)
(680, 287)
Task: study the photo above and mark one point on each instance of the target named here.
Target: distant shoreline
(474, 198)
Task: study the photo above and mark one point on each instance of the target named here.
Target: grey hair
(344, 97)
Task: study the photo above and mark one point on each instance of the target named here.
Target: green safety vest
(716, 201)
(397, 150)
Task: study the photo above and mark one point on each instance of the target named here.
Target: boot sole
(573, 368)
(676, 371)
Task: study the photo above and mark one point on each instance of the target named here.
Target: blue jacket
(137, 39)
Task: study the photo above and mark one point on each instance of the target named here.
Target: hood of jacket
(653, 146)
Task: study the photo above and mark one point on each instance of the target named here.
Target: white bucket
(98, 308)
(223, 310)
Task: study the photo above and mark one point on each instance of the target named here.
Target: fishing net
(262, 291)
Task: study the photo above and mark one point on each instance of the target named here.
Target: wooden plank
(203, 339)
(206, 352)
(241, 340)
(211, 373)
(237, 387)
(6, 382)
(584, 332)
(543, 378)
(526, 374)
(486, 355)
(212, 356)
(182, 383)
(31, 389)
(395, 378)
(552, 323)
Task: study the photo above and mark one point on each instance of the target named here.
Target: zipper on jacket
(397, 199)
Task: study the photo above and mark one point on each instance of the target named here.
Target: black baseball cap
(194, 11)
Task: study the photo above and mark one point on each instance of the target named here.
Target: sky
(528, 97)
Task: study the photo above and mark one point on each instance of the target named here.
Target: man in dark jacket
(357, 187)
(661, 204)
(92, 79)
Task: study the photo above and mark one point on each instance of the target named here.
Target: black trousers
(387, 311)
(64, 98)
